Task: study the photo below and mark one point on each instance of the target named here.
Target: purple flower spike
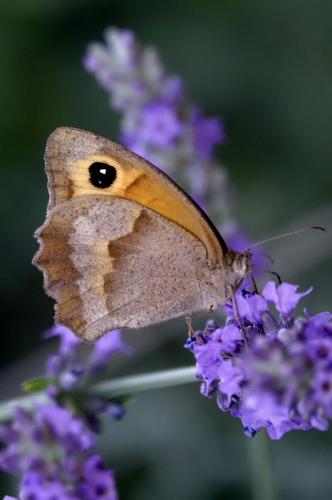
(52, 428)
(67, 365)
(73, 368)
(49, 449)
(284, 297)
(279, 377)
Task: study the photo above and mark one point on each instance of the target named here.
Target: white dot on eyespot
(103, 170)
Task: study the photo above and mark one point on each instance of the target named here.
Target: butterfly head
(238, 266)
(224, 279)
(240, 263)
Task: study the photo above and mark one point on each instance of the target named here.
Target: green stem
(260, 467)
(110, 388)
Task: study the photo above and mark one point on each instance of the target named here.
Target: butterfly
(123, 246)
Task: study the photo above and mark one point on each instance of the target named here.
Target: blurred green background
(265, 68)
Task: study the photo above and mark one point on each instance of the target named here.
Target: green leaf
(38, 384)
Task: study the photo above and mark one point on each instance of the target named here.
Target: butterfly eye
(102, 175)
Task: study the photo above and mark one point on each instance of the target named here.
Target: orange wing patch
(69, 154)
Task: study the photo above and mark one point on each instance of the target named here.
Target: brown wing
(111, 263)
(70, 152)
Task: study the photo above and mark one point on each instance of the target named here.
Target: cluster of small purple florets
(52, 449)
(273, 371)
(48, 449)
(72, 371)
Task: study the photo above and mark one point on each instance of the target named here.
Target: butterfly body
(122, 245)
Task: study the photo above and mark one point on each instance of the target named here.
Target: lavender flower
(43, 441)
(71, 367)
(273, 371)
(76, 366)
(64, 365)
(48, 449)
(51, 449)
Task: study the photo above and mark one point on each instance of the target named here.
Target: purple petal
(105, 347)
(230, 377)
(320, 321)
(36, 486)
(285, 297)
(159, 124)
(208, 132)
(228, 337)
(99, 482)
(68, 341)
(207, 360)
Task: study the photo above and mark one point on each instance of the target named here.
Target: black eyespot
(102, 175)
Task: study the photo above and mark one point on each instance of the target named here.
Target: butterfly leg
(237, 316)
(191, 332)
(254, 284)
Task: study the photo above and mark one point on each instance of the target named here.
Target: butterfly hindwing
(112, 263)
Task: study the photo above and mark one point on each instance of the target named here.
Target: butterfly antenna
(277, 275)
(285, 235)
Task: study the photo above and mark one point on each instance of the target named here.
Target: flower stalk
(109, 388)
(259, 456)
